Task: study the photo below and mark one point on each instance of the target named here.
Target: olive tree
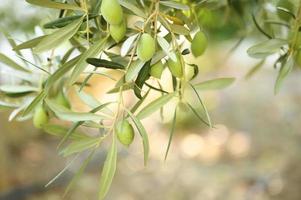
(140, 39)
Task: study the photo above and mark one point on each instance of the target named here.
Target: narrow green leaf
(56, 5)
(78, 124)
(60, 73)
(132, 7)
(203, 105)
(214, 84)
(58, 37)
(142, 77)
(143, 134)
(125, 86)
(61, 131)
(68, 115)
(266, 48)
(104, 63)
(93, 51)
(15, 89)
(171, 133)
(285, 69)
(175, 5)
(61, 22)
(34, 103)
(88, 99)
(9, 62)
(128, 45)
(108, 170)
(30, 43)
(139, 103)
(166, 48)
(133, 70)
(154, 106)
(197, 114)
(79, 172)
(79, 146)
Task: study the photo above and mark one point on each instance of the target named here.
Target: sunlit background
(253, 153)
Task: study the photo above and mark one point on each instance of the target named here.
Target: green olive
(287, 5)
(175, 67)
(62, 100)
(40, 117)
(125, 132)
(199, 44)
(118, 31)
(111, 11)
(157, 69)
(146, 47)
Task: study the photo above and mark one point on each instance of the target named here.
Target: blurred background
(253, 153)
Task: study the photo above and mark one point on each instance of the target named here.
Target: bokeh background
(252, 154)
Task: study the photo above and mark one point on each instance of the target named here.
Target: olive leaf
(30, 43)
(104, 63)
(155, 105)
(133, 70)
(165, 47)
(80, 146)
(61, 22)
(56, 5)
(132, 7)
(15, 89)
(79, 172)
(9, 62)
(142, 77)
(58, 37)
(61, 131)
(143, 134)
(175, 5)
(285, 69)
(68, 115)
(266, 48)
(93, 51)
(108, 170)
(214, 84)
(173, 126)
(203, 105)
(79, 123)
(128, 44)
(37, 100)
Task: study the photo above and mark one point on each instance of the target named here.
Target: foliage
(139, 39)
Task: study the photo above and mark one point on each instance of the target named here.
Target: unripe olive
(62, 100)
(111, 11)
(199, 44)
(118, 31)
(125, 132)
(175, 67)
(146, 47)
(157, 69)
(40, 117)
(287, 4)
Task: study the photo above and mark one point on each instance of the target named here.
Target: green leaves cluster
(284, 44)
(102, 41)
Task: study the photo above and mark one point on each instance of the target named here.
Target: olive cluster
(113, 14)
